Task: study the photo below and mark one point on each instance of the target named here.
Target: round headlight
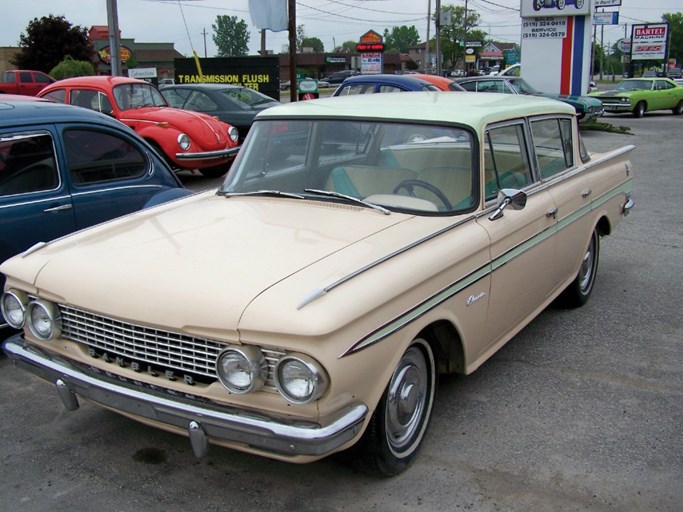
(242, 369)
(300, 379)
(233, 134)
(184, 141)
(14, 308)
(44, 320)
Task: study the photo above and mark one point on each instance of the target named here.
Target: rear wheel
(397, 428)
(578, 292)
(639, 111)
(678, 109)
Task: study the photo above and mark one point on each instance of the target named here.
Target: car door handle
(552, 213)
(586, 192)
(59, 208)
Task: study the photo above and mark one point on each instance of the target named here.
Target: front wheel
(398, 425)
(639, 111)
(678, 109)
(578, 292)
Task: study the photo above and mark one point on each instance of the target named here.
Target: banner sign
(544, 28)
(606, 18)
(543, 8)
(648, 42)
(371, 63)
(259, 73)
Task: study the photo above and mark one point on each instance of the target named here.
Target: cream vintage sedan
(358, 248)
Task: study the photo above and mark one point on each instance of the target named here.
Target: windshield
(399, 166)
(635, 85)
(138, 95)
(522, 87)
(246, 97)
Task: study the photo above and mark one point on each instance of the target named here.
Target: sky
(188, 23)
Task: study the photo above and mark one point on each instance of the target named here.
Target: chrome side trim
(261, 431)
(319, 292)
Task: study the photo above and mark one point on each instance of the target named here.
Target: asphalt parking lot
(583, 410)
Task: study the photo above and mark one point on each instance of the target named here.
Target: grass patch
(599, 126)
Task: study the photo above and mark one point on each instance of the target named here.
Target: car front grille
(164, 349)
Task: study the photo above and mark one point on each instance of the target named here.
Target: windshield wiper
(261, 193)
(348, 198)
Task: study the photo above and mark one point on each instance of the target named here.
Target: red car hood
(195, 124)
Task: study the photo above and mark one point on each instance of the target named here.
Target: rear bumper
(204, 422)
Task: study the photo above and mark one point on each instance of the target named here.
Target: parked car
(188, 140)
(514, 70)
(339, 76)
(587, 108)
(640, 95)
(342, 265)
(368, 84)
(65, 168)
(24, 82)
(441, 82)
(233, 104)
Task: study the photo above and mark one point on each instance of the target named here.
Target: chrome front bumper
(204, 422)
(208, 155)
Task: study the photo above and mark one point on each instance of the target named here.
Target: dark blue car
(65, 168)
(366, 84)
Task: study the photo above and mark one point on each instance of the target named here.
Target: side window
(175, 97)
(506, 161)
(469, 86)
(25, 77)
(389, 88)
(42, 78)
(83, 98)
(553, 144)
(200, 102)
(349, 90)
(103, 103)
(9, 77)
(58, 95)
(27, 164)
(96, 157)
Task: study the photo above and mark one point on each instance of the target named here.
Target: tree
(347, 47)
(675, 21)
(453, 34)
(300, 35)
(69, 68)
(231, 36)
(49, 40)
(401, 38)
(313, 42)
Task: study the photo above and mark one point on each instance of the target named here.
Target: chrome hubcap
(586, 272)
(407, 397)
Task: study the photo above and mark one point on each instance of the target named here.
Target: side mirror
(515, 199)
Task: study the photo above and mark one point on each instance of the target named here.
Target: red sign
(377, 47)
(105, 54)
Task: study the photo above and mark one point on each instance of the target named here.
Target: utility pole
(437, 22)
(114, 38)
(464, 41)
(428, 60)
(292, 51)
(204, 34)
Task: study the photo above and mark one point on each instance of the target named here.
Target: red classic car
(188, 140)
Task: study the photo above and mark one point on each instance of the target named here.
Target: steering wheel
(410, 185)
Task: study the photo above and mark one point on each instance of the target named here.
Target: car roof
(485, 77)
(95, 81)
(407, 80)
(468, 108)
(17, 113)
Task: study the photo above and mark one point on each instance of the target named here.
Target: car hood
(199, 262)
(574, 98)
(192, 123)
